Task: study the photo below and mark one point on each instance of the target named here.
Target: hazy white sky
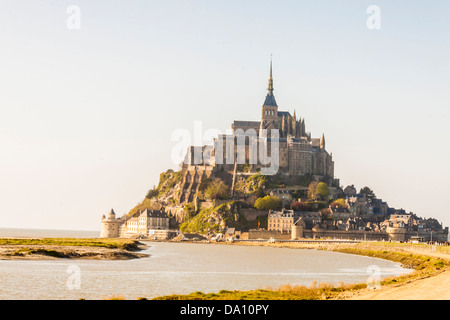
(86, 115)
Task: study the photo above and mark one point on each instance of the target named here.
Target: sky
(92, 91)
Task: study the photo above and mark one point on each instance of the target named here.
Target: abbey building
(293, 149)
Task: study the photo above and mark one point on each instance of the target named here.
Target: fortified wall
(391, 234)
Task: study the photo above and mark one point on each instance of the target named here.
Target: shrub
(217, 189)
(301, 206)
(339, 203)
(323, 190)
(268, 203)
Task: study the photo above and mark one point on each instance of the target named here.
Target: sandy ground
(431, 288)
(434, 287)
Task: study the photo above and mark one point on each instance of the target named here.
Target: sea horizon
(48, 233)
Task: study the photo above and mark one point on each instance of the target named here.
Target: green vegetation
(339, 203)
(201, 223)
(281, 181)
(45, 252)
(323, 190)
(285, 292)
(167, 180)
(217, 189)
(145, 204)
(189, 210)
(254, 183)
(318, 190)
(268, 203)
(125, 244)
(211, 219)
(369, 193)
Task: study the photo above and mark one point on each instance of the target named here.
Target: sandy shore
(434, 287)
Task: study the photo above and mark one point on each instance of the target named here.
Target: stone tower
(110, 226)
(297, 229)
(269, 112)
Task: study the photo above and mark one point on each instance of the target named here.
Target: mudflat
(39, 249)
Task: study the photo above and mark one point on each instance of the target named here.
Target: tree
(268, 203)
(152, 193)
(323, 190)
(312, 190)
(217, 189)
(339, 203)
(369, 193)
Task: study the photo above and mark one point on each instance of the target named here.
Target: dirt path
(431, 288)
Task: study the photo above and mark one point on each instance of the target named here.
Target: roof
(297, 140)
(239, 123)
(300, 222)
(270, 139)
(155, 213)
(284, 113)
(281, 191)
(270, 100)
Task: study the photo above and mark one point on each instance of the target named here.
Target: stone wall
(400, 235)
(353, 235)
(265, 234)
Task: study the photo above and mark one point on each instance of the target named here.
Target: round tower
(297, 229)
(110, 226)
(396, 234)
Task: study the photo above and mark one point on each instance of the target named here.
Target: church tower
(269, 112)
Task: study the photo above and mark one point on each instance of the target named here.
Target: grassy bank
(424, 265)
(125, 244)
(71, 248)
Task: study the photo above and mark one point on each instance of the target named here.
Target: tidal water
(184, 268)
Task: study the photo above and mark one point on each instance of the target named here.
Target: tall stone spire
(270, 88)
(270, 98)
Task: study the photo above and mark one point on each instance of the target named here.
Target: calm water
(183, 268)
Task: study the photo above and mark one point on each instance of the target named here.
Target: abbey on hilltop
(298, 152)
(222, 188)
